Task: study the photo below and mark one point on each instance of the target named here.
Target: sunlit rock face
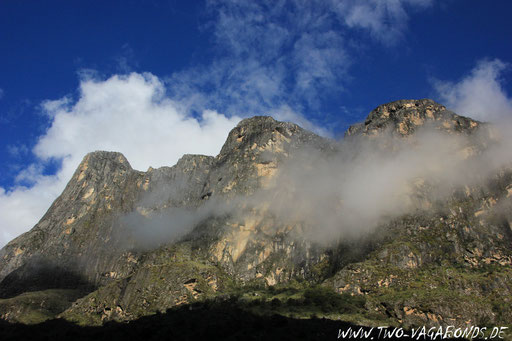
(131, 243)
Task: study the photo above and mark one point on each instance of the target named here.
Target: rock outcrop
(405, 116)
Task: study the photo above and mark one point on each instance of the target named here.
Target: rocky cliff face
(131, 243)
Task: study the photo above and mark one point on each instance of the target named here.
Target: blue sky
(157, 79)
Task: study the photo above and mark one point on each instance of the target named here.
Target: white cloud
(129, 114)
(386, 20)
(480, 94)
(21, 208)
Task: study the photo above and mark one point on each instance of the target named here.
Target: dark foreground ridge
(205, 321)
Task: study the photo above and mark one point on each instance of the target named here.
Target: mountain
(279, 221)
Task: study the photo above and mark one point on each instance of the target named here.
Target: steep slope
(133, 243)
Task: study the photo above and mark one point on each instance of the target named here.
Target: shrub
(330, 301)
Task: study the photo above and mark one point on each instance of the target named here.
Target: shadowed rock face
(108, 234)
(77, 231)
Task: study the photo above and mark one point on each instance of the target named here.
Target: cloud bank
(347, 193)
(370, 181)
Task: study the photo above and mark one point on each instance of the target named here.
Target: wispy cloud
(270, 55)
(267, 55)
(126, 60)
(479, 94)
(17, 151)
(385, 20)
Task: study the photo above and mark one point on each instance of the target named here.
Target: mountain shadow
(211, 320)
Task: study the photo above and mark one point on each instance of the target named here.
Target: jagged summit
(403, 117)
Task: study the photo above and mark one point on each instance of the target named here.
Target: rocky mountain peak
(403, 117)
(264, 134)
